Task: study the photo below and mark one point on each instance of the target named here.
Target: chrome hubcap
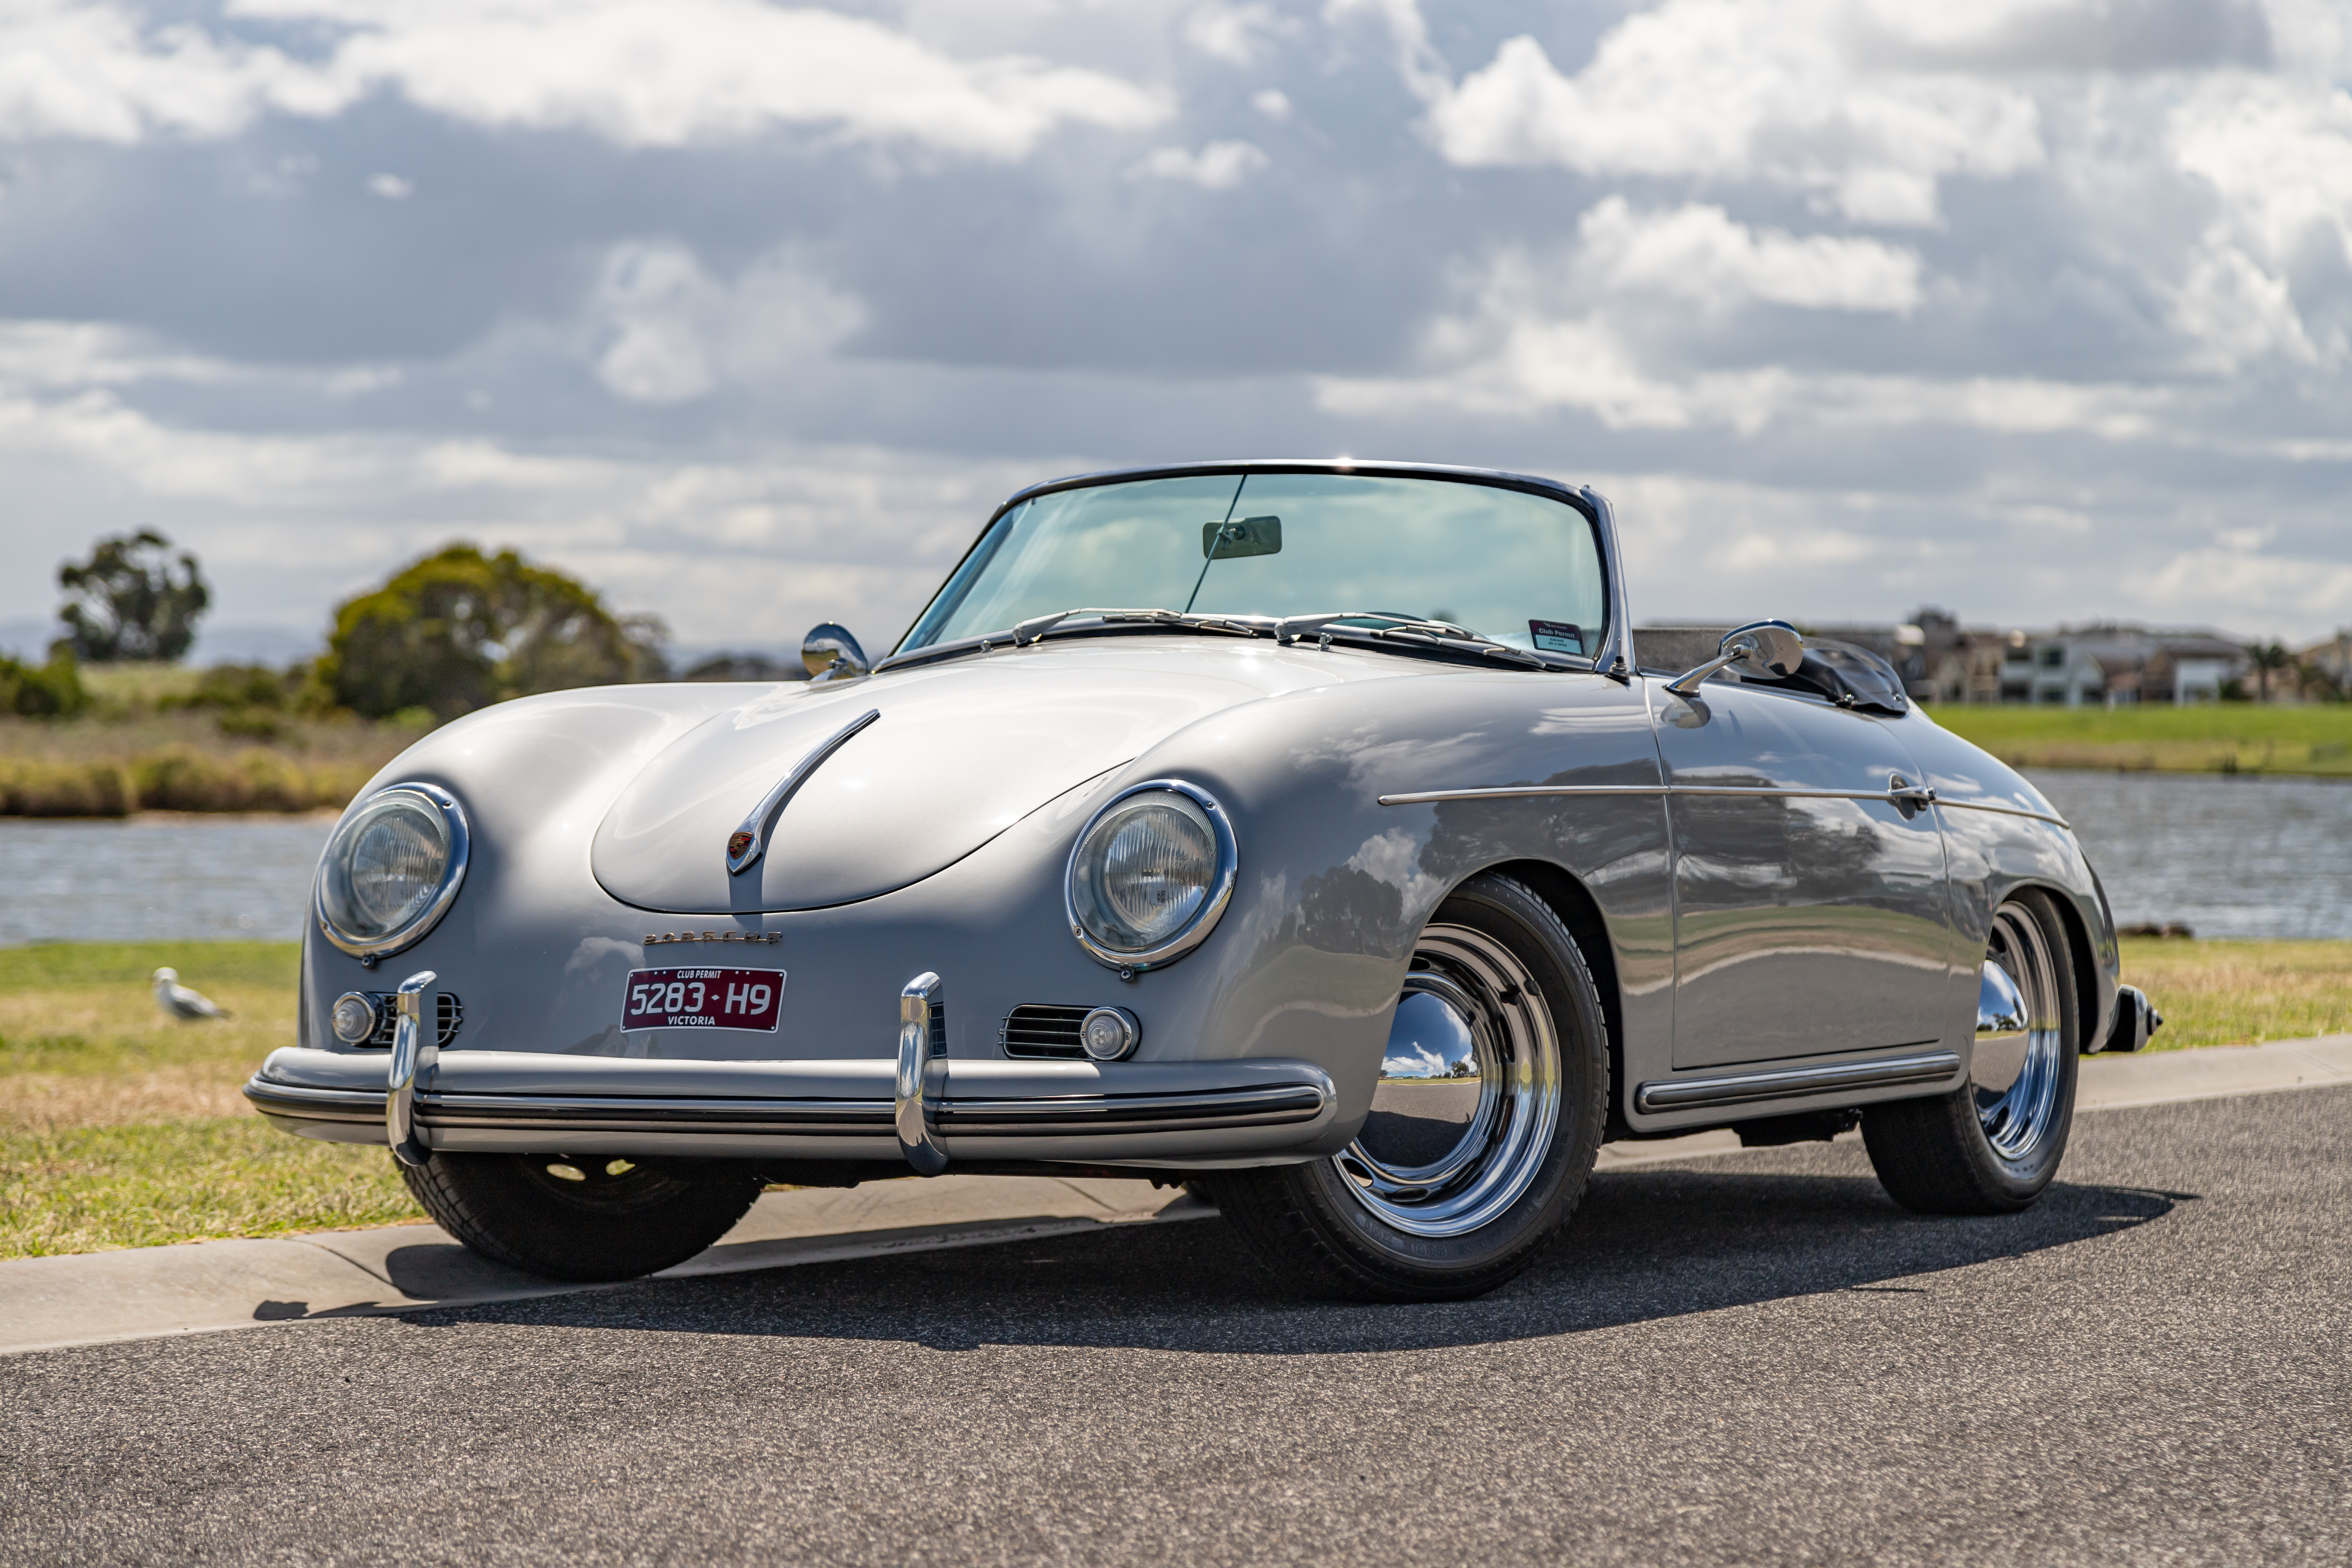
(1469, 1094)
(2014, 1069)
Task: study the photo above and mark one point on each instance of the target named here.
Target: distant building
(2107, 665)
(2331, 663)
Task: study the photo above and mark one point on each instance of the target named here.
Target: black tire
(589, 1218)
(1312, 1227)
(1938, 1156)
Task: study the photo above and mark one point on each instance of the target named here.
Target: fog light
(354, 1017)
(1109, 1033)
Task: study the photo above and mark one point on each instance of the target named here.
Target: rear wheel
(1484, 1123)
(581, 1217)
(1992, 1144)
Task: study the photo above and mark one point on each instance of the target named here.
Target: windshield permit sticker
(1556, 637)
(1241, 536)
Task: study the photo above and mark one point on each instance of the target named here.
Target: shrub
(51, 691)
(65, 789)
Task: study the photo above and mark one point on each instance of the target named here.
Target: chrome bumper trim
(1086, 1114)
(414, 1050)
(1792, 1083)
(1134, 1113)
(920, 1082)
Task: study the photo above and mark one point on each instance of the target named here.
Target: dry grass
(183, 761)
(2243, 992)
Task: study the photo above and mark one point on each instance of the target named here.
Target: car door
(1810, 914)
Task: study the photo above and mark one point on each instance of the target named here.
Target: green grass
(87, 1189)
(119, 1127)
(2222, 737)
(2243, 992)
(122, 1128)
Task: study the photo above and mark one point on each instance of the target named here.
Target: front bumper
(1132, 1113)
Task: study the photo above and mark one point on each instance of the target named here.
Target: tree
(459, 630)
(125, 602)
(2268, 658)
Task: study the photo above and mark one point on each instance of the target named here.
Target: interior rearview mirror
(830, 653)
(1763, 649)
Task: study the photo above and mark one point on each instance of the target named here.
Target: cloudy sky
(751, 312)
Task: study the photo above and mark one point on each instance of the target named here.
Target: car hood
(960, 752)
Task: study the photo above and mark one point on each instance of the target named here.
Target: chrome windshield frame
(1613, 657)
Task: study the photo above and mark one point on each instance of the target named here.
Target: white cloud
(2235, 312)
(90, 71)
(1699, 254)
(1272, 102)
(391, 187)
(1725, 90)
(2278, 152)
(1219, 166)
(640, 73)
(1514, 354)
(675, 333)
(1236, 34)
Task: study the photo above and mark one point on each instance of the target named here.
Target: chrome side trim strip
(1789, 1083)
(2052, 819)
(922, 1076)
(1905, 797)
(749, 840)
(1514, 792)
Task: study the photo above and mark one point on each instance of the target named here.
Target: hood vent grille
(1040, 1029)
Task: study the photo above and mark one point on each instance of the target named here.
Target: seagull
(179, 1002)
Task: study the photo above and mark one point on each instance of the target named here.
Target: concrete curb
(207, 1287)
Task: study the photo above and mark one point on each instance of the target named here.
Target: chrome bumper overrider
(520, 1102)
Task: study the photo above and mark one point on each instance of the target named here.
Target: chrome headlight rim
(453, 877)
(1204, 919)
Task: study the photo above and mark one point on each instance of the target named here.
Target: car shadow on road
(1646, 1245)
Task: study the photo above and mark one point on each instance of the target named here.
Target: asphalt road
(1749, 1358)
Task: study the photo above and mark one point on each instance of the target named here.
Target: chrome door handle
(1903, 791)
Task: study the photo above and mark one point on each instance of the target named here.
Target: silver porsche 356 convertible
(1314, 833)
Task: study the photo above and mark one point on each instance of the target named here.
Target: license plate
(703, 999)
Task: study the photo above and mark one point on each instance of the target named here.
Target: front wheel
(1993, 1143)
(1483, 1125)
(585, 1217)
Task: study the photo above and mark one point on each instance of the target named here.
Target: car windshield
(1518, 568)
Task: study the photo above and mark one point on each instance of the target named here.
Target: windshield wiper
(1397, 633)
(1413, 630)
(1036, 627)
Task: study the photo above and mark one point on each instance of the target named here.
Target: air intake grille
(1043, 1030)
(387, 1018)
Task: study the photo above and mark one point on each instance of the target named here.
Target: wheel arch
(1580, 911)
(2080, 949)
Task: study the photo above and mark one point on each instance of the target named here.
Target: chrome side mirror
(1761, 648)
(830, 653)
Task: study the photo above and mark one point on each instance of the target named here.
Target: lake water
(157, 878)
(2243, 857)
(2225, 855)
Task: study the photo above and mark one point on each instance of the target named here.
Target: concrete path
(203, 1287)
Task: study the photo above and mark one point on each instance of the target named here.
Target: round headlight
(1150, 874)
(391, 869)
